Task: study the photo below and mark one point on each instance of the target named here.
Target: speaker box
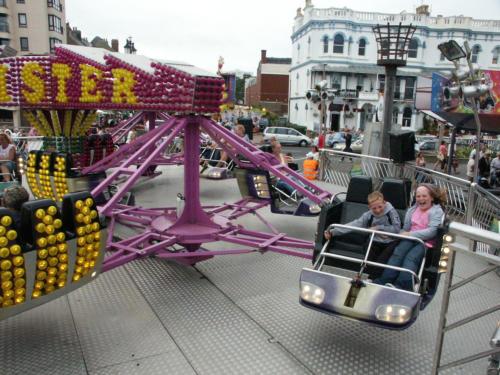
(402, 146)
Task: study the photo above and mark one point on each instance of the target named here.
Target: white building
(338, 44)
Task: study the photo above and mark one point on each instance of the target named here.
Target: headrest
(359, 188)
(394, 191)
(79, 209)
(40, 219)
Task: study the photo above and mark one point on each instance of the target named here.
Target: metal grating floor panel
(229, 315)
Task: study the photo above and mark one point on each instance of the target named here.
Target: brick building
(270, 88)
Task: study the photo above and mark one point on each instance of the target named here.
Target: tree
(240, 88)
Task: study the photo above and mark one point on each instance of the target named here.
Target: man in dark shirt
(348, 140)
(13, 199)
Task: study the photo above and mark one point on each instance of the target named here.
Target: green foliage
(430, 126)
(299, 128)
(463, 152)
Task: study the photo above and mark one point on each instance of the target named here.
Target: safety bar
(415, 278)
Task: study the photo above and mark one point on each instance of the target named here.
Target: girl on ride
(7, 156)
(421, 221)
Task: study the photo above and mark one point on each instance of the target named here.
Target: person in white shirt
(470, 169)
(7, 156)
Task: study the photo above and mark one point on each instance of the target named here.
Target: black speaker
(402, 146)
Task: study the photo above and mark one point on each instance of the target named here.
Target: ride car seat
(342, 212)
(395, 192)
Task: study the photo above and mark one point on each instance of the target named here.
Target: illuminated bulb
(5, 265)
(15, 249)
(4, 252)
(6, 221)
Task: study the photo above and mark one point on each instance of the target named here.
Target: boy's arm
(395, 227)
(360, 222)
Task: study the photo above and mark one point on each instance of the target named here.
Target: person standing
(470, 169)
(495, 170)
(7, 156)
(348, 140)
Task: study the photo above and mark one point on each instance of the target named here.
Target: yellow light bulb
(5, 265)
(4, 252)
(6, 221)
(11, 235)
(39, 214)
(6, 275)
(15, 249)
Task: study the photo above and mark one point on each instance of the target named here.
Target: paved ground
(229, 315)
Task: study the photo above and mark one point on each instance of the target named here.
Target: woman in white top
(7, 156)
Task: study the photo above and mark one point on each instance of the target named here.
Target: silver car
(286, 136)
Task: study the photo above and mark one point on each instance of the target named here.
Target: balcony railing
(347, 94)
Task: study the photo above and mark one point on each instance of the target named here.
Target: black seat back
(397, 193)
(356, 200)
(343, 212)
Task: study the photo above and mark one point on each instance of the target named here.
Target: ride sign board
(90, 78)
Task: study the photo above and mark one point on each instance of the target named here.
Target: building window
(413, 48)
(475, 53)
(4, 42)
(325, 44)
(362, 47)
(23, 21)
(409, 88)
(3, 3)
(338, 43)
(4, 23)
(55, 24)
(441, 57)
(24, 44)
(20, 1)
(407, 117)
(395, 115)
(496, 53)
(56, 4)
(53, 42)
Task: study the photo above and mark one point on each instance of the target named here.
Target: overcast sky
(200, 31)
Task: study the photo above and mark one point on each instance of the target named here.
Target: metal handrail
(475, 234)
(467, 202)
(415, 279)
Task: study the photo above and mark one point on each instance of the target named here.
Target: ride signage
(90, 78)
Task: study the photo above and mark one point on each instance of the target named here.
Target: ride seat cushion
(359, 188)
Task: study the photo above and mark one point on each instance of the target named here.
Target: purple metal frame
(161, 232)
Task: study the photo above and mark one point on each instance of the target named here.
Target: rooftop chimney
(114, 45)
(263, 57)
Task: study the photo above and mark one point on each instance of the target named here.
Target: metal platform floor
(236, 314)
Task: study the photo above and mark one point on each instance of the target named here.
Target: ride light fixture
(311, 293)
(393, 313)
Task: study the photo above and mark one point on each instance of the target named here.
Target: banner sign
(93, 78)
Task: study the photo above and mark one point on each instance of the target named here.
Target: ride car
(286, 136)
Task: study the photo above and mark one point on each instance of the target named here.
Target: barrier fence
(467, 202)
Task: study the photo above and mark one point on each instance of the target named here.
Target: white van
(286, 136)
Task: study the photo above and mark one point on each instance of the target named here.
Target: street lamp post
(468, 84)
(392, 44)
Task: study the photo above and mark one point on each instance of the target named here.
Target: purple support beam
(122, 129)
(161, 228)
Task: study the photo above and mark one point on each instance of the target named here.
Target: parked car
(428, 148)
(286, 136)
(333, 139)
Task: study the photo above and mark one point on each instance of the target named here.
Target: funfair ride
(59, 96)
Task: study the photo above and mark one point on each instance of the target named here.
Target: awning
(490, 123)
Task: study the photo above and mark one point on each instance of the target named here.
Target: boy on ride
(382, 216)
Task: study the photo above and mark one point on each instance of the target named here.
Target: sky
(200, 31)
